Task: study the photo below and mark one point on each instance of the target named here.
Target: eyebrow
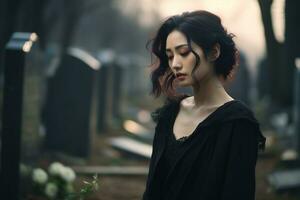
(177, 47)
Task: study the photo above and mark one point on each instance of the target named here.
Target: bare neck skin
(209, 93)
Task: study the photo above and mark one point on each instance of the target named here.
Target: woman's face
(182, 60)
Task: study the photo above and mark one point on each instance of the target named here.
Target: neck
(209, 92)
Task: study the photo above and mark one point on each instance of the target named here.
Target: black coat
(217, 161)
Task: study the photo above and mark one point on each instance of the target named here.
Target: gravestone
(297, 103)
(104, 91)
(116, 91)
(262, 83)
(16, 52)
(67, 110)
(102, 84)
(110, 95)
(131, 147)
(289, 179)
(285, 179)
(138, 131)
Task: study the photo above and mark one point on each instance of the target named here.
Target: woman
(205, 146)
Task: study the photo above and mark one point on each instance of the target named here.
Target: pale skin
(208, 91)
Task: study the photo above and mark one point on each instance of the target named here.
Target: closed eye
(185, 53)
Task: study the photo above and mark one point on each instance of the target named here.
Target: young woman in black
(206, 144)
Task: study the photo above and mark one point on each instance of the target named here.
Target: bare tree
(280, 56)
(273, 53)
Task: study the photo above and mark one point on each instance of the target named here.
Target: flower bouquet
(58, 183)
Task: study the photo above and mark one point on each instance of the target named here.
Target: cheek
(201, 71)
(190, 64)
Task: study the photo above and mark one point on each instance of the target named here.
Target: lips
(180, 76)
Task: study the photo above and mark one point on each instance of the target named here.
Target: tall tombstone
(104, 91)
(16, 52)
(67, 110)
(128, 69)
(297, 103)
(262, 81)
(292, 58)
(116, 90)
(135, 78)
(102, 101)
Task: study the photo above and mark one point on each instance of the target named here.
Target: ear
(214, 53)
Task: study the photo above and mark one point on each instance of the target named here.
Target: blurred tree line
(89, 24)
(277, 75)
(99, 24)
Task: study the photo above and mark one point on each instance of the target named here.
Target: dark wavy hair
(204, 29)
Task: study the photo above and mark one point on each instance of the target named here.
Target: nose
(176, 64)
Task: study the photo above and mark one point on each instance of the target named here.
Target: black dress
(216, 162)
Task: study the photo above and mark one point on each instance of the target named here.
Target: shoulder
(246, 127)
(237, 110)
(243, 121)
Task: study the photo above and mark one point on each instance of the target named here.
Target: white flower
(56, 168)
(39, 176)
(51, 190)
(68, 174)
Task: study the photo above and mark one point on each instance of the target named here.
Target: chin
(184, 84)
